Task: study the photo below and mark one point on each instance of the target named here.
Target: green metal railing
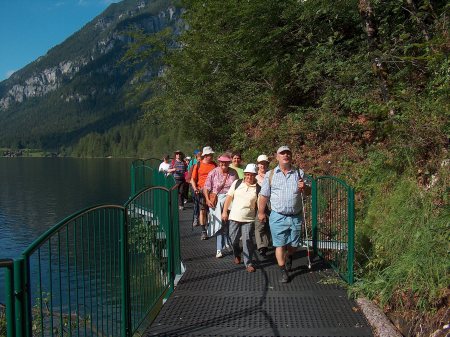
(333, 224)
(141, 175)
(145, 173)
(7, 265)
(77, 284)
(104, 270)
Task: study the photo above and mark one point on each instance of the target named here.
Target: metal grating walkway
(217, 298)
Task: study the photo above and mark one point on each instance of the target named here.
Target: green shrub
(406, 258)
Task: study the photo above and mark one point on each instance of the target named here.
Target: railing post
(314, 214)
(170, 243)
(175, 216)
(19, 297)
(125, 275)
(351, 234)
(9, 295)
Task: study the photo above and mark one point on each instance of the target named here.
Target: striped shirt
(180, 168)
(285, 197)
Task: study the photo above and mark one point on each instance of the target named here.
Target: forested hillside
(358, 89)
(80, 87)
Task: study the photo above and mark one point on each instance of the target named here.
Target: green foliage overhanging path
(358, 89)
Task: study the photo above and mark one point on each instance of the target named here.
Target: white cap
(187, 158)
(262, 157)
(283, 148)
(251, 168)
(207, 150)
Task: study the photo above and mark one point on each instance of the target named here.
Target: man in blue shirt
(284, 187)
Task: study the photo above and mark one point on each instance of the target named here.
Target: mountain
(80, 86)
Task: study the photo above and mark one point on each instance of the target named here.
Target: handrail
(338, 180)
(142, 191)
(58, 226)
(133, 246)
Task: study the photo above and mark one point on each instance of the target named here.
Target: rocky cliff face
(85, 69)
(41, 83)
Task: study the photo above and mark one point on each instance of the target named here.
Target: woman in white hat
(243, 194)
(262, 230)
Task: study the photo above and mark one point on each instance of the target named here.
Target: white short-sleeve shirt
(244, 202)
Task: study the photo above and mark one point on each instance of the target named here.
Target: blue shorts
(285, 229)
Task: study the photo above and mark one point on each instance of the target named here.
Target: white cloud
(9, 73)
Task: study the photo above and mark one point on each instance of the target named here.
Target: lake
(36, 193)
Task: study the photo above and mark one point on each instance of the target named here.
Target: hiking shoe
(219, 254)
(289, 263)
(250, 268)
(237, 260)
(284, 276)
(195, 223)
(180, 208)
(204, 236)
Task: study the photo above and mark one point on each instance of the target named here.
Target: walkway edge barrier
(333, 224)
(8, 264)
(108, 268)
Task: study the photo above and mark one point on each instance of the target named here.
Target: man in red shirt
(199, 175)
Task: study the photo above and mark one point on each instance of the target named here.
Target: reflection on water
(36, 193)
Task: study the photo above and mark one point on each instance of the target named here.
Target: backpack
(197, 166)
(258, 188)
(188, 174)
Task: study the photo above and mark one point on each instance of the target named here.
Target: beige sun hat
(262, 157)
(207, 150)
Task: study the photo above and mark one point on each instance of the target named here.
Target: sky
(29, 28)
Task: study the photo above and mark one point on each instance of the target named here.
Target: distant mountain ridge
(79, 86)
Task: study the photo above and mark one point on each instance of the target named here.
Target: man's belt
(291, 214)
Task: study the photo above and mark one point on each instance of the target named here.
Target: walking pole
(306, 230)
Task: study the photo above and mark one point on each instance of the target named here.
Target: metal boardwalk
(218, 298)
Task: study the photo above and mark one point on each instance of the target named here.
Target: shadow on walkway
(218, 298)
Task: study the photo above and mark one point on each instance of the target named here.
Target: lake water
(36, 193)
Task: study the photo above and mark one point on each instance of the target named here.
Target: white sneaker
(219, 254)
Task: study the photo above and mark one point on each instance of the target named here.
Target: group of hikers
(234, 203)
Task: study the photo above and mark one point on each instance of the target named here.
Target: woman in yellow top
(236, 162)
(243, 194)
